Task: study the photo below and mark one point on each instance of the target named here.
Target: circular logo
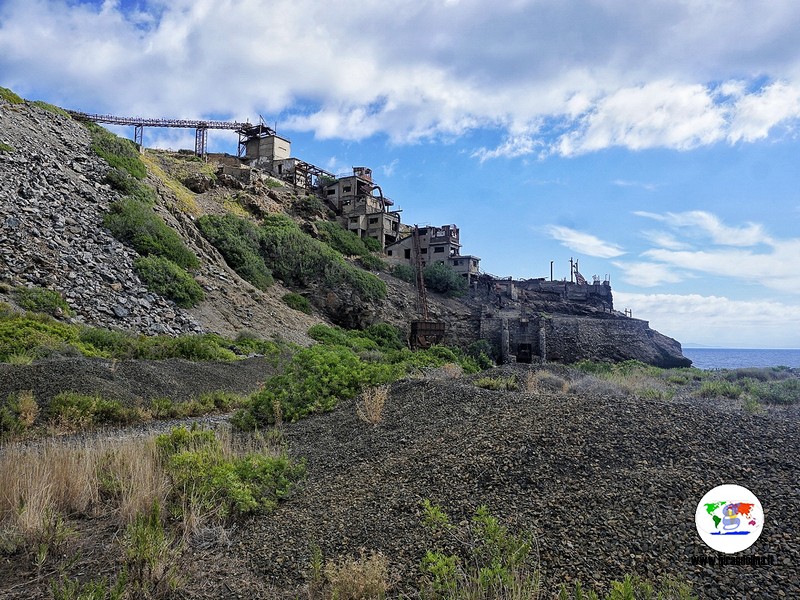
(729, 518)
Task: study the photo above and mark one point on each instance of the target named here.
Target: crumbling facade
(436, 245)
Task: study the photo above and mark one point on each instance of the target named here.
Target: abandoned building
(436, 244)
(360, 210)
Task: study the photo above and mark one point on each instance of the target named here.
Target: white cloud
(389, 169)
(650, 187)
(717, 320)
(666, 240)
(571, 77)
(648, 274)
(707, 224)
(585, 243)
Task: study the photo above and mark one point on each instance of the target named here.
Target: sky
(654, 141)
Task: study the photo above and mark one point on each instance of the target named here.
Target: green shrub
(372, 244)
(227, 487)
(77, 411)
(52, 108)
(135, 223)
(340, 239)
(443, 279)
(9, 96)
(164, 277)
(633, 588)
(151, 555)
(238, 240)
(38, 336)
(130, 186)
(117, 152)
(299, 260)
(509, 383)
(112, 343)
(483, 353)
(315, 380)
(786, 391)
(6, 148)
(39, 299)
(480, 560)
(297, 302)
(405, 273)
(720, 389)
(372, 262)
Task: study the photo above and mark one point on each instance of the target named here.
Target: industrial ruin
(515, 315)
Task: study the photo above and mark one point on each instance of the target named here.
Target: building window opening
(407, 253)
(438, 250)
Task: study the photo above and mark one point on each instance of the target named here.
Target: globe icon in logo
(729, 518)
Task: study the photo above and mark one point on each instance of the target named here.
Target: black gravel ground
(133, 381)
(608, 486)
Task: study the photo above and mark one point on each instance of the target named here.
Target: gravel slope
(608, 486)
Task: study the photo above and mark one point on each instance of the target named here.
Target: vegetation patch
(69, 411)
(37, 299)
(52, 108)
(239, 242)
(185, 197)
(405, 273)
(6, 148)
(443, 279)
(164, 277)
(9, 96)
(212, 482)
(131, 187)
(135, 223)
(116, 151)
(631, 588)
(509, 383)
(340, 239)
(297, 302)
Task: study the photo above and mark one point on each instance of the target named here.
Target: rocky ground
(608, 486)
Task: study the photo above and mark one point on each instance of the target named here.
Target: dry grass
(451, 371)
(371, 404)
(363, 578)
(27, 408)
(538, 381)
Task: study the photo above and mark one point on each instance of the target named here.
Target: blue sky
(653, 140)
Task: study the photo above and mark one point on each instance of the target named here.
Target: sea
(735, 358)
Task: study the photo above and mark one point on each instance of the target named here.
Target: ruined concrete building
(358, 203)
(436, 245)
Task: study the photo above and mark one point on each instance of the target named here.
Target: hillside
(56, 196)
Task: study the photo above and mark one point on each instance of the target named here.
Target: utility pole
(551, 270)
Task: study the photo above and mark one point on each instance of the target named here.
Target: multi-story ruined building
(436, 244)
(358, 203)
(353, 198)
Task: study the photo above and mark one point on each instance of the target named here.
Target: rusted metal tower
(424, 333)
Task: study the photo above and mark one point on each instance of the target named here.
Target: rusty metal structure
(424, 333)
(201, 127)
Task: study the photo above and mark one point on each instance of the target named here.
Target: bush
(443, 279)
(298, 260)
(135, 223)
(38, 336)
(6, 148)
(39, 299)
(297, 302)
(117, 152)
(633, 587)
(9, 96)
(315, 380)
(779, 392)
(130, 186)
(405, 273)
(71, 410)
(372, 262)
(489, 561)
(717, 389)
(224, 486)
(238, 240)
(340, 239)
(372, 244)
(164, 277)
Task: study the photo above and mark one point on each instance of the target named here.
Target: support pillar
(200, 141)
(138, 134)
